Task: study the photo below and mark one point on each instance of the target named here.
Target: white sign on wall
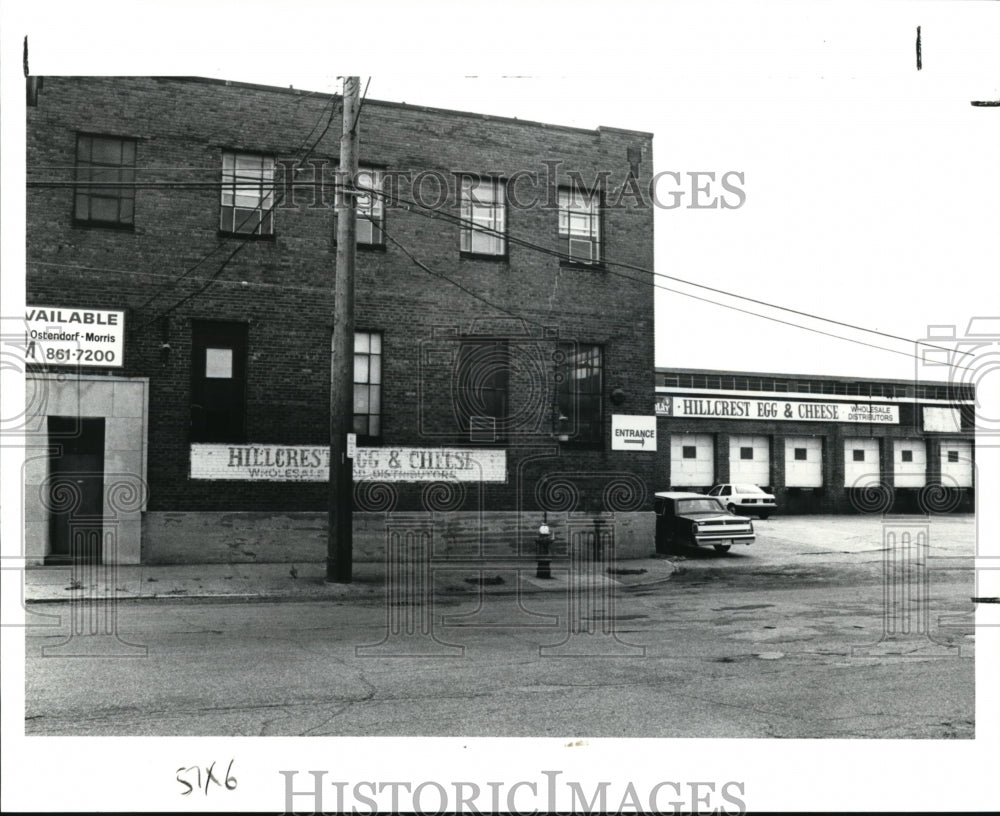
(945, 420)
(311, 463)
(65, 336)
(635, 433)
(784, 410)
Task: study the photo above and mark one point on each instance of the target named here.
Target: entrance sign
(66, 336)
(635, 433)
(311, 463)
(782, 410)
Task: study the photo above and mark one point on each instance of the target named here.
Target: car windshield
(748, 489)
(699, 506)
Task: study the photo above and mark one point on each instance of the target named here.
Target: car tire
(721, 548)
(763, 516)
(731, 508)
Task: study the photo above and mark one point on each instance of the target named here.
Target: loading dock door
(749, 460)
(803, 462)
(956, 463)
(909, 461)
(861, 463)
(692, 460)
(75, 490)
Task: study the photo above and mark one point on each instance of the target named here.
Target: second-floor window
(247, 194)
(105, 181)
(370, 208)
(484, 217)
(580, 225)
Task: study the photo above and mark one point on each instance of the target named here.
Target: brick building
(821, 444)
(180, 261)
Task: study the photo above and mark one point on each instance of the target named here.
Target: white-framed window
(368, 384)
(580, 224)
(247, 194)
(370, 207)
(484, 217)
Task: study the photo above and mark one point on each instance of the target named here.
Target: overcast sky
(872, 198)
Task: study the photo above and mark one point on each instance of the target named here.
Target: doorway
(76, 490)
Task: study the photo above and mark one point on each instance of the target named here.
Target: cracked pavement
(782, 639)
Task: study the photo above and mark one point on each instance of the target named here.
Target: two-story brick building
(180, 262)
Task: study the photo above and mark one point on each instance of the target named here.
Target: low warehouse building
(820, 444)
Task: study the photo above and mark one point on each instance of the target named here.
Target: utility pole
(340, 544)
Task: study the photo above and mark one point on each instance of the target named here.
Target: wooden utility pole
(340, 544)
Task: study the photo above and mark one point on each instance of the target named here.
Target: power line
(278, 199)
(422, 209)
(455, 283)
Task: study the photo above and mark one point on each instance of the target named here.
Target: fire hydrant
(544, 552)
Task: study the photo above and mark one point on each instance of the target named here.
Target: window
(484, 218)
(746, 453)
(218, 381)
(105, 181)
(367, 383)
(578, 392)
(580, 225)
(247, 194)
(800, 455)
(482, 389)
(370, 208)
(859, 455)
(690, 452)
(952, 456)
(906, 456)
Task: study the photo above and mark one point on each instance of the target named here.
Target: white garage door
(861, 462)
(956, 463)
(692, 460)
(749, 460)
(803, 462)
(909, 462)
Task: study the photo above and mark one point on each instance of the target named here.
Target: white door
(749, 460)
(909, 461)
(803, 462)
(692, 460)
(861, 462)
(956, 463)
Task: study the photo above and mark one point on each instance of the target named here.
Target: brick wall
(282, 287)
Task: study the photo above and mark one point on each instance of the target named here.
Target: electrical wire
(422, 209)
(278, 199)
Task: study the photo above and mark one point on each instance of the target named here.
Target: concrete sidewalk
(260, 582)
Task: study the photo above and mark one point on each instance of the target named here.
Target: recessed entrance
(75, 490)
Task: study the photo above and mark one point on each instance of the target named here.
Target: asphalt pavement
(259, 582)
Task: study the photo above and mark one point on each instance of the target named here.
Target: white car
(746, 498)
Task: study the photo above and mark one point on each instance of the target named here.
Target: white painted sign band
(781, 410)
(311, 463)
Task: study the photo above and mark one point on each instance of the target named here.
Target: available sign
(779, 410)
(636, 433)
(311, 463)
(64, 336)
